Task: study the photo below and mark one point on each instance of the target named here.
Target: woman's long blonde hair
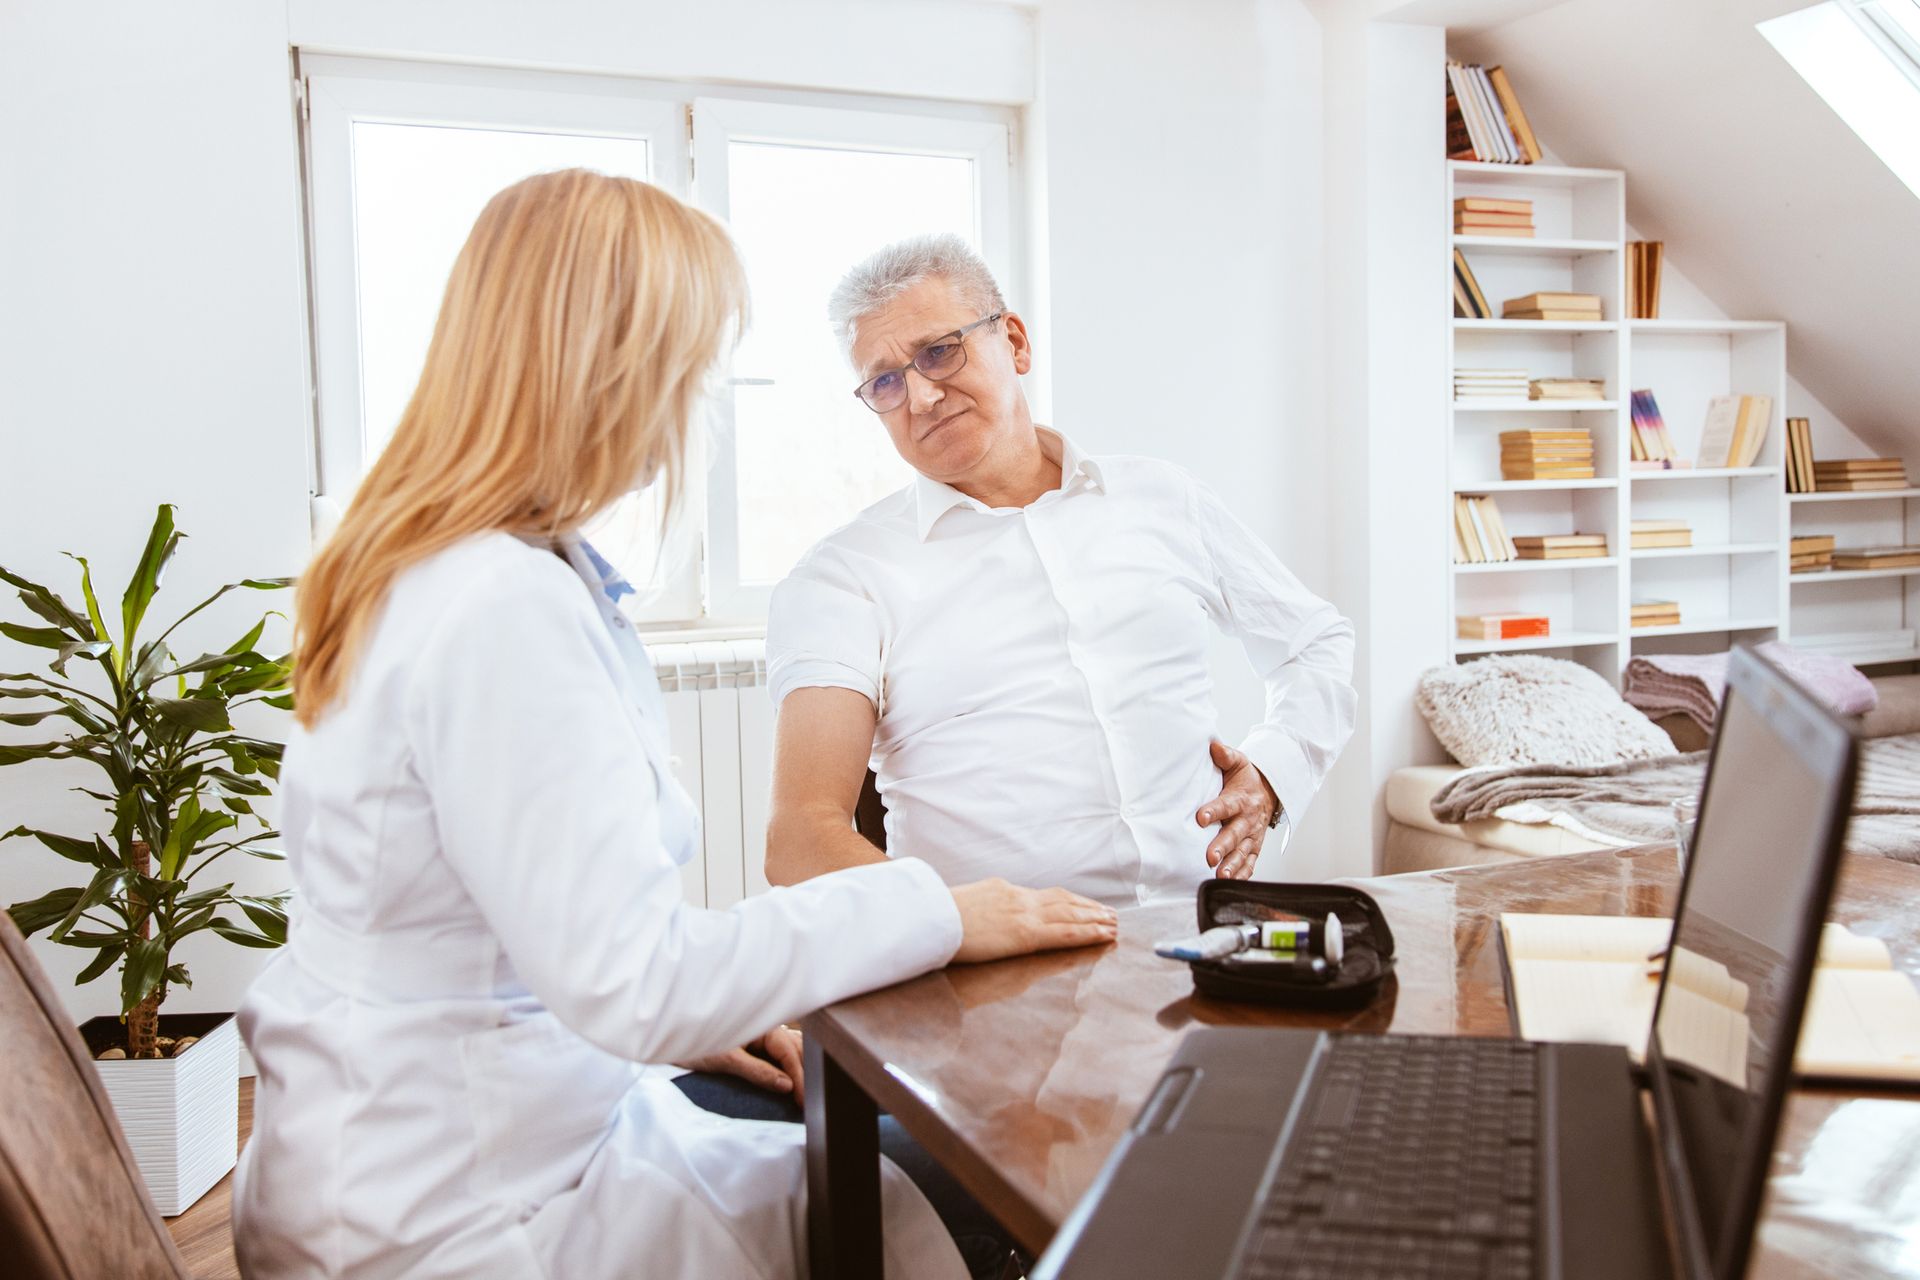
(581, 320)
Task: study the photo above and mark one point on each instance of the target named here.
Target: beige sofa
(1417, 841)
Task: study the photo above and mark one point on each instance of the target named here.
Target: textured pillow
(1525, 709)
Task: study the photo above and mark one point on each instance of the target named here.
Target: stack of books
(1501, 626)
(1478, 216)
(1567, 389)
(1800, 477)
(1469, 303)
(1479, 534)
(1877, 558)
(1643, 279)
(1651, 446)
(1490, 384)
(1649, 535)
(1656, 613)
(1546, 455)
(1736, 428)
(1812, 553)
(1562, 546)
(1552, 306)
(1857, 475)
(1484, 119)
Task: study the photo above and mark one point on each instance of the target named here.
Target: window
(1863, 58)
(401, 158)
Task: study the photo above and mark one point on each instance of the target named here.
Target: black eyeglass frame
(957, 337)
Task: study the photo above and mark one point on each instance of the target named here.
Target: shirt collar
(933, 499)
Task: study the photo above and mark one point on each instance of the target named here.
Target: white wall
(151, 335)
(1180, 155)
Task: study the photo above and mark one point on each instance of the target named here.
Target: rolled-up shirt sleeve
(1299, 644)
(822, 632)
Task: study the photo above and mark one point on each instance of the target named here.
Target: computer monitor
(1773, 812)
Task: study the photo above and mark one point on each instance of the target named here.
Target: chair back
(72, 1203)
(870, 814)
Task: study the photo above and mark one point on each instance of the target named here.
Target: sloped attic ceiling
(1765, 198)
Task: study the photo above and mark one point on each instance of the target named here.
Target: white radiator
(721, 724)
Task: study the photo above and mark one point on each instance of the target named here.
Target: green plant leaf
(39, 637)
(191, 924)
(177, 974)
(80, 939)
(146, 969)
(92, 851)
(45, 602)
(269, 915)
(154, 659)
(102, 886)
(102, 961)
(202, 898)
(86, 592)
(30, 717)
(31, 917)
(162, 542)
(285, 702)
(93, 649)
(200, 715)
(246, 642)
(229, 781)
(12, 754)
(234, 933)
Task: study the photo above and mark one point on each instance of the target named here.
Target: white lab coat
(488, 936)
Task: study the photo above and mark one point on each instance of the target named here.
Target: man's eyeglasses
(937, 361)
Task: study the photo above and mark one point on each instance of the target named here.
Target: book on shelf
(1489, 384)
(1463, 219)
(1552, 306)
(1810, 552)
(1655, 613)
(1662, 533)
(1476, 302)
(1562, 546)
(1480, 532)
(1567, 389)
(1547, 455)
(1649, 439)
(1735, 430)
(1487, 204)
(1493, 229)
(1858, 558)
(1859, 475)
(1588, 979)
(1800, 464)
(1502, 626)
(1643, 279)
(1484, 117)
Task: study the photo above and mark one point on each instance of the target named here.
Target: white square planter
(181, 1115)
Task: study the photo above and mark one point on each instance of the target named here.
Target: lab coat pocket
(542, 1100)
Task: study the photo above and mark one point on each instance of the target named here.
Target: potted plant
(180, 781)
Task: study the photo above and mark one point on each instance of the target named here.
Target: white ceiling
(1770, 203)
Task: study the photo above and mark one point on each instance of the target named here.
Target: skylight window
(1863, 58)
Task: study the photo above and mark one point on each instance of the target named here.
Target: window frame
(687, 126)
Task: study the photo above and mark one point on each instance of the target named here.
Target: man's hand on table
(778, 1071)
(1244, 809)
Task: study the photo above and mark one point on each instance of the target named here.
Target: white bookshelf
(1732, 584)
(1857, 602)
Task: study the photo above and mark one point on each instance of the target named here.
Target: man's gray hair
(893, 270)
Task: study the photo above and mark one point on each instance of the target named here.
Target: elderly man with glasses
(1018, 640)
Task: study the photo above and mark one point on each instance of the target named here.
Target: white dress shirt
(488, 935)
(1040, 673)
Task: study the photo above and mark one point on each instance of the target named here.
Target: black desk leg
(843, 1173)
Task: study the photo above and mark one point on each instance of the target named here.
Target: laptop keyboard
(1416, 1159)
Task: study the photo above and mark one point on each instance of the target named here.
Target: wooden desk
(1021, 1076)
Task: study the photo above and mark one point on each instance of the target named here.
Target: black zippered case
(1368, 943)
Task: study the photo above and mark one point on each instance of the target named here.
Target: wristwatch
(1284, 825)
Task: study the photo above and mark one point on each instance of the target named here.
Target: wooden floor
(204, 1233)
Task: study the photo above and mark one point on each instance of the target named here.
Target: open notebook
(1586, 978)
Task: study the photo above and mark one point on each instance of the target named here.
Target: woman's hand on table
(998, 919)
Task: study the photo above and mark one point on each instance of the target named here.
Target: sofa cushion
(1899, 709)
(1526, 709)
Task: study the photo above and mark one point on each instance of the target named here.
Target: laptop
(1268, 1154)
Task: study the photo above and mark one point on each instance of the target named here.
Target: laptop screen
(1777, 792)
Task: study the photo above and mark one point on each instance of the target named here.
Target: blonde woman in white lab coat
(484, 832)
